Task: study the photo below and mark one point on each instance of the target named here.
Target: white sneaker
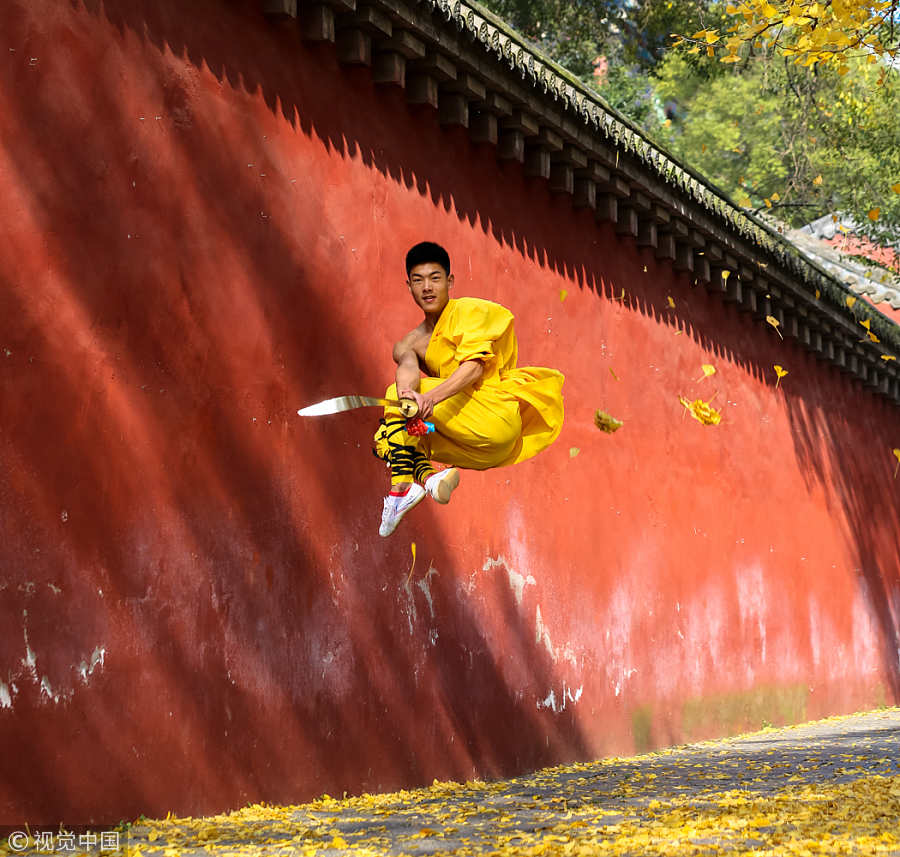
(441, 484)
(396, 507)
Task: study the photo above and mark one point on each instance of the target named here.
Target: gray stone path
(597, 807)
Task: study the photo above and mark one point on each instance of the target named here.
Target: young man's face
(429, 285)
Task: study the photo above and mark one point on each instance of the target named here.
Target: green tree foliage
(795, 140)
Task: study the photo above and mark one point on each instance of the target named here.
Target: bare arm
(466, 374)
(407, 361)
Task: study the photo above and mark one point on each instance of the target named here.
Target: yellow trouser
(475, 429)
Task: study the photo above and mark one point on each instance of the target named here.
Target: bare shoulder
(409, 342)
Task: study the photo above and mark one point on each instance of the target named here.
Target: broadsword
(408, 407)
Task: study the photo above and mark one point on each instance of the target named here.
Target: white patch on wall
(408, 605)
(29, 669)
(517, 582)
(812, 610)
(425, 585)
(566, 697)
(753, 603)
(86, 669)
(542, 637)
(621, 610)
(865, 633)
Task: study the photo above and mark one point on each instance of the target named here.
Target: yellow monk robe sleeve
(480, 331)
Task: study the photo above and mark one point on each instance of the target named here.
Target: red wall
(204, 221)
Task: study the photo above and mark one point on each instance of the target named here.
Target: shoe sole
(446, 486)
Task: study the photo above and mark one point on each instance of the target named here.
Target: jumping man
(486, 411)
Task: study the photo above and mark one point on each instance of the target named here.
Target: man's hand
(467, 373)
(423, 400)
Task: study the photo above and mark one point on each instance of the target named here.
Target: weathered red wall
(204, 221)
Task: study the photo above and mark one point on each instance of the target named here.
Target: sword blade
(344, 403)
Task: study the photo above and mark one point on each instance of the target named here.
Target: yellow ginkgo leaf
(888, 357)
(726, 274)
(818, 179)
(412, 547)
(780, 372)
(850, 300)
(775, 196)
(563, 294)
(670, 301)
(866, 323)
(896, 187)
(708, 369)
(606, 423)
(874, 213)
(573, 451)
(774, 322)
(701, 411)
(768, 202)
(897, 455)
(818, 294)
(678, 332)
(613, 373)
(873, 337)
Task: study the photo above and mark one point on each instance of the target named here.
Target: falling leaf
(671, 302)
(563, 294)
(708, 369)
(613, 373)
(768, 202)
(573, 451)
(818, 294)
(850, 301)
(701, 411)
(818, 179)
(607, 423)
(775, 196)
(678, 332)
(888, 357)
(412, 547)
(774, 322)
(866, 323)
(874, 213)
(726, 274)
(645, 269)
(897, 456)
(896, 187)
(780, 371)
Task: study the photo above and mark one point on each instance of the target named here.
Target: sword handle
(409, 408)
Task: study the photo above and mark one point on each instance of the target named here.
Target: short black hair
(427, 251)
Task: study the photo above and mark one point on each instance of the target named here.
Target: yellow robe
(510, 414)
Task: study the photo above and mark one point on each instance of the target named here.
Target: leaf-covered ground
(831, 787)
